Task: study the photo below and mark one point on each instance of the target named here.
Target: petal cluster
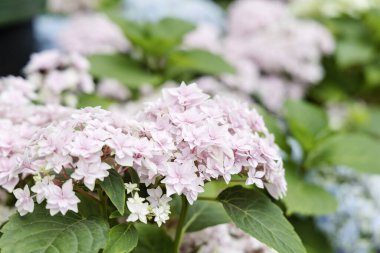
(177, 144)
(78, 35)
(58, 77)
(276, 55)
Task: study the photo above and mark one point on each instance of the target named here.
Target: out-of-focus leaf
(307, 122)
(372, 75)
(305, 198)
(92, 100)
(357, 151)
(197, 61)
(122, 68)
(372, 20)
(312, 238)
(351, 53)
(273, 126)
(372, 123)
(13, 11)
(155, 39)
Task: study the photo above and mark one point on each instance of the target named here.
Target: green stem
(180, 227)
(103, 203)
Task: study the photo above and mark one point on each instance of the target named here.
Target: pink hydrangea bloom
(24, 203)
(58, 76)
(79, 35)
(62, 199)
(180, 141)
(276, 56)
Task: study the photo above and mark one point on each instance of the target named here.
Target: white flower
(255, 177)
(89, 172)
(156, 198)
(137, 207)
(161, 214)
(62, 199)
(130, 187)
(41, 188)
(24, 203)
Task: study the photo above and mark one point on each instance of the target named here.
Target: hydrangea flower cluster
(19, 120)
(175, 145)
(58, 77)
(15, 91)
(114, 89)
(211, 138)
(355, 226)
(276, 56)
(78, 35)
(224, 238)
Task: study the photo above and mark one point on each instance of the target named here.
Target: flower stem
(180, 231)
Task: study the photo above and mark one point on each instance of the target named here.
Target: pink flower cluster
(276, 55)
(58, 77)
(15, 91)
(19, 121)
(181, 141)
(79, 35)
(210, 139)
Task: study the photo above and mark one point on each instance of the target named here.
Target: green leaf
(350, 53)
(167, 33)
(255, 214)
(357, 151)
(213, 188)
(88, 206)
(306, 122)
(92, 100)
(372, 75)
(372, 122)
(113, 185)
(371, 19)
(170, 32)
(17, 11)
(312, 238)
(205, 214)
(122, 238)
(274, 127)
(39, 232)
(153, 239)
(122, 68)
(305, 198)
(197, 61)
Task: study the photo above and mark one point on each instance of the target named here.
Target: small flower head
(24, 203)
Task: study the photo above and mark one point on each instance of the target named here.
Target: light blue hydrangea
(46, 30)
(355, 226)
(195, 11)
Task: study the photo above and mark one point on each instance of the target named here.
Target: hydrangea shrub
(134, 169)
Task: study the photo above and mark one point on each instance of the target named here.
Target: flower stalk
(180, 231)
